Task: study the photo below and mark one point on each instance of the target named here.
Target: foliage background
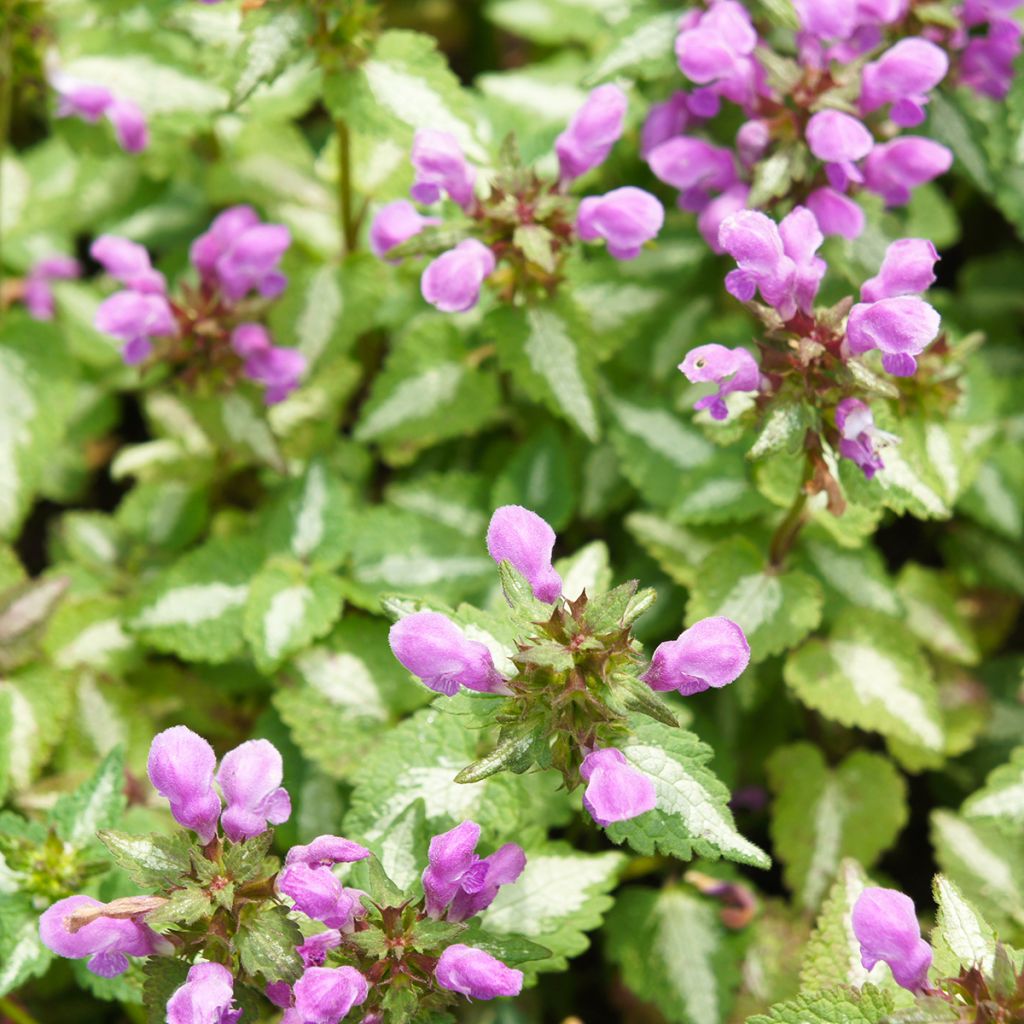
(887, 677)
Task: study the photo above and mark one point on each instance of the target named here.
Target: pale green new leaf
(692, 816)
(832, 956)
(822, 815)
(869, 673)
(776, 609)
(962, 938)
(834, 1006)
(561, 894)
(673, 952)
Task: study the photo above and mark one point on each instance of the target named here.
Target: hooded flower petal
(451, 855)
(885, 924)
(616, 791)
(452, 282)
(394, 224)
(250, 779)
(432, 647)
(129, 125)
(440, 167)
(733, 369)
(476, 974)
(908, 268)
(857, 433)
(711, 653)
(207, 997)
(479, 886)
(903, 76)
(900, 328)
(593, 130)
(326, 851)
(625, 218)
(522, 538)
(180, 767)
(835, 213)
(896, 168)
(324, 995)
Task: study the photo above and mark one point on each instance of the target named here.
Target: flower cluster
(828, 125)
(338, 961)
(522, 220)
(210, 332)
(569, 672)
(807, 349)
(89, 102)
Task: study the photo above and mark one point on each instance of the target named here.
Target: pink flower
(625, 218)
(733, 369)
(885, 924)
(711, 653)
(903, 76)
(835, 213)
(207, 997)
(900, 328)
(908, 268)
(250, 779)
(839, 140)
(476, 974)
(452, 282)
(38, 295)
(895, 168)
(180, 767)
(441, 168)
(857, 436)
(324, 995)
(616, 791)
(522, 538)
(279, 370)
(695, 167)
(394, 224)
(593, 130)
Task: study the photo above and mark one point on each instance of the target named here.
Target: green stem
(6, 103)
(349, 225)
(787, 531)
(10, 1011)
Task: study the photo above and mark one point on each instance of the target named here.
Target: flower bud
(433, 648)
(394, 224)
(616, 791)
(180, 767)
(452, 281)
(476, 974)
(695, 167)
(908, 268)
(625, 218)
(522, 538)
(711, 653)
(900, 328)
(835, 213)
(593, 130)
(440, 167)
(895, 168)
(205, 998)
(885, 924)
(250, 779)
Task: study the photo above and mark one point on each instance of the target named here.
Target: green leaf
(403, 848)
(783, 430)
(273, 41)
(245, 861)
(184, 907)
(151, 861)
(287, 609)
(643, 48)
(509, 949)
(673, 952)
(962, 938)
(22, 953)
(35, 386)
(1001, 799)
(775, 609)
(822, 815)
(835, 1006)
(832, 955)
(542, 346)
(429, 391)
(196, 608)
(419, 759)
(344, 693)
(985, 863)
(560, 895)
(692, 815)
(869, 673)
(164, 975)
(266, 942)
(97, 804)
(519, 594)
(850, 577)
(932, 615)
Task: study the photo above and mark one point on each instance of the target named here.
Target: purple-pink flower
(835, 213)
(90, 102)
(665, 121)
(239, 254)
(278, 369)
(326, 851)
(317, 893)
(716, 49)
(324, 995)
(696, 168)
(394, 224)
(129, 263)
(858, 435)
(616, 791)
(625, 218)
(38, 295)
(894, 169)
(476, 974)
(902, 78)
(250, 779)
(522, 538)
(207, 997)
(900, 328)
(777, 260)
(458, 881)
(885, 924)
(452, 282)
(908, 268)
(106, 941)
(593, 130)
(433, 648)
(987, 62)
(840, 141)
(711, 653)
(732, 369)
(441, 168)
(135, 318)
(180, 767)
